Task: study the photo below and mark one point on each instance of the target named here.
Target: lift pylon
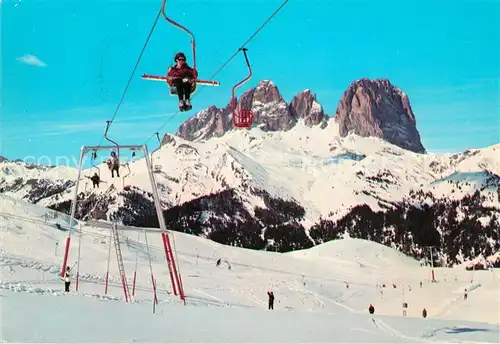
(163, 228)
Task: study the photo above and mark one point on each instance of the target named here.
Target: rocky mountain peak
(271, 113)
(269, 108)
(304, 105)
(206, 123)
(367, 108)
(266, 91)
(378, 108)
(2, 159)
(168, 139)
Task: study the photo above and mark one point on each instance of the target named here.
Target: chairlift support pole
(78, 259)
(73, 211)
(92, 159)
(161, 220)
(117, 147)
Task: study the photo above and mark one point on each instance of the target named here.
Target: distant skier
(371, 309)
(424, 313)
(465, 294)
(271, 299)
(67, 281)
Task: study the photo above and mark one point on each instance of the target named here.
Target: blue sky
(65, 64)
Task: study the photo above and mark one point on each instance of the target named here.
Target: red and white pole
(73, 212)
(159, 212)
(181, 292)
(124, 285)
(66, 252)
(168, 256)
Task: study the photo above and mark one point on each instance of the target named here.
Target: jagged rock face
(2, 159)
(207, 123)
(168, 139)
(368, 108)
(268, 106)
(271, 113)
(377, 108)
(305, 106)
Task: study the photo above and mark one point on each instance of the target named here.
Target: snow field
(326, 289)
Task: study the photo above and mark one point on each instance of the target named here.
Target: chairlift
(113, 164)
(156, 168)
(242, 118)
(127, 166)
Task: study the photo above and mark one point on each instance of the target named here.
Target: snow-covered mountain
(293, 189)
(285, 187)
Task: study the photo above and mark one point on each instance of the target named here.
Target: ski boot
(182, 105)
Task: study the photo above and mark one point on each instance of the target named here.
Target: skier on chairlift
(114, 164)
(95, 180)
(182, 77)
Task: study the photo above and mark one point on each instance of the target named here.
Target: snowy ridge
(329, 285)
(312, 167)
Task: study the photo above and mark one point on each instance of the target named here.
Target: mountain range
(297, 178)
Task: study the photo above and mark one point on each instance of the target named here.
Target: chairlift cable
(225, 63)
(133, 72)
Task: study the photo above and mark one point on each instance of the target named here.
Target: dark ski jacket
(184, 72)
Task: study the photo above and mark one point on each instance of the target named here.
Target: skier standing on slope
(67, 281)
(271, 299)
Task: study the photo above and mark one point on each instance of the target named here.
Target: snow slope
(327, 289)
(94, 320)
